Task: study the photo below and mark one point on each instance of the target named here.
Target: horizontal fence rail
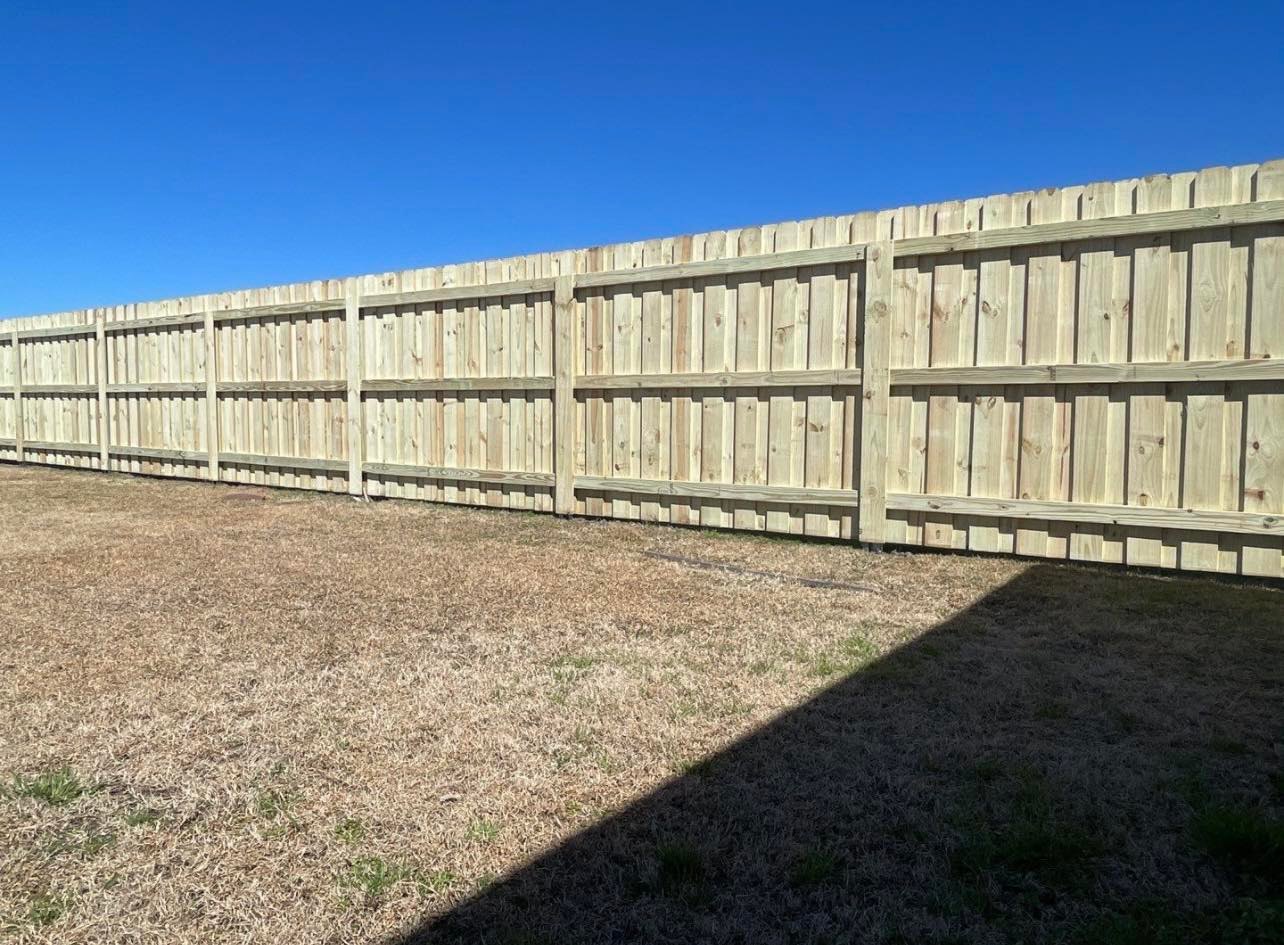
(1092, 373)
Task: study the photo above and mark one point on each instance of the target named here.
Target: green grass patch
(95, 843)
(1052, 711)
(42, 911)
(680, 871)
(273, 804)
(850, 654)
(696, 767)
(482, 831)
(1225, 745)
(56, 788)
(142, 817)
(1024, 836)
(570, 667)
(1244, 839)
(373, 876)
(89, 844)
(814, 868)
(435, 882)
(349, 830)
(1243, 922)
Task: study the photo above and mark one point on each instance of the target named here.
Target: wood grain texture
(1092, 372)
(876, 392)
(353, 374)
(564, 348)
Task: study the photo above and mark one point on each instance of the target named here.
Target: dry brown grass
(299, 718)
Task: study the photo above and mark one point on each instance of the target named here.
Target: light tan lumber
(1165, 372)
(753, 319)
(100, 371)
(1263, 482)
(265, 461)
(791, 495)
(994, 413)
(490, 290)
(60, 390)
(1208, 520)
(713, 268)
(54, 446)
(174, 387)
(210, 339)
(149, 452)
(875, 393)
(656, 355)
(564, 395)
(947, 452)
(282, 387)
(19, 424)
(501, 477)
(718, 348)
(355, 422)
(694, 380)
(1130, 225)
(1064, 378)
(57, 331)
(160, 322)
(274, 309)
(433, 385)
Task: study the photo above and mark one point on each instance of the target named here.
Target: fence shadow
(1033, 769)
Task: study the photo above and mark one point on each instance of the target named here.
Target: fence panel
(1091, 373)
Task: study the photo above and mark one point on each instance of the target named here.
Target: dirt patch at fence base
(306, 719)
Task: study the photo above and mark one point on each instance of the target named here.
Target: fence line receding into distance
(1092, 373)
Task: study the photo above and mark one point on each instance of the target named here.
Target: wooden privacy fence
(1090, 373)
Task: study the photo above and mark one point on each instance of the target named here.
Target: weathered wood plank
(152, 452)
(564, 348)
(695, 380)
(1063, 232)
(714, 268)
(398, 385)
(19, 418)
(59, 331)
(790, 495)
(456, 473)
(875, 393)
(53, 446)
(158, 323)
(210, 340)
(60, 390)
(1166, 372)
(281, 387)
(176, 387)
(355, 424)
(1209, 520)
(100, 376)
(266, 461)
(490, 290)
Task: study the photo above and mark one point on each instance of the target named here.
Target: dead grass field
(234, 715)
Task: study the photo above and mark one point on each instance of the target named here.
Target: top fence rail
(1170, 221)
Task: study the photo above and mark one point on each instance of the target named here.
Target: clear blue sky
(157, 149)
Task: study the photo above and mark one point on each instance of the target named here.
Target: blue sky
(151, 150)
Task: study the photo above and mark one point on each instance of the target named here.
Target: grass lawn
(236, 715)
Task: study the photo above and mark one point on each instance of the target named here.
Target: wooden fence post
(564, 395)
(17, 396)
(211, 395)
(100, 368)
(875, 400)
(356, 426)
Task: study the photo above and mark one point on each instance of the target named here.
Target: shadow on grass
(1082, 756)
